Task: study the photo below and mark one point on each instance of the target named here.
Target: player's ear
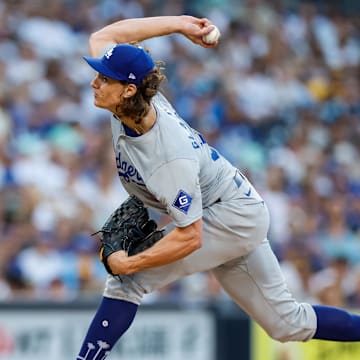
(130, 90)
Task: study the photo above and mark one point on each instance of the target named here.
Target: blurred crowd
(279, 97)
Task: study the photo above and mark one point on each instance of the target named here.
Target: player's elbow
(195, 236)
(94, 38)
(98, 41)
(191, 236)
(195, 242)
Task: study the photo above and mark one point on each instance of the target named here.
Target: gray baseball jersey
(172, 169)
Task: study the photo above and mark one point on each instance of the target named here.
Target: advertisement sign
(263, 347)
(154, 335)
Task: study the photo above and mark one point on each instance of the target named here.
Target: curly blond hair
(137, 106)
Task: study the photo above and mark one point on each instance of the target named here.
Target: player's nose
(94, 82)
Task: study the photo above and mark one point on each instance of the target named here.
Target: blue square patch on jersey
(182, 201)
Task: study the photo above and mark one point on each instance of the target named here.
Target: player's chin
(99, 103)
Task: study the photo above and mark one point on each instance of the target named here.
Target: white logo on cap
(131, 76)
(109, 53)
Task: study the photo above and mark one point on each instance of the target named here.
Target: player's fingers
(212, 45)
(200, 42)
(205, 22)
(200, 32)
(206, 30)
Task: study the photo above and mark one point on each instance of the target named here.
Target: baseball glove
(128, 228)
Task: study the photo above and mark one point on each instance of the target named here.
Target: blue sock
(336, 324)
(111, 320)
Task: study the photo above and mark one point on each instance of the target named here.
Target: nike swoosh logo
(248, 193)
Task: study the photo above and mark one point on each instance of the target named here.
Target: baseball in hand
(212, 37)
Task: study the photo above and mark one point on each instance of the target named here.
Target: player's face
(108, 92)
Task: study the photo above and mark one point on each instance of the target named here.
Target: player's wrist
(171, 24)
(132, 264)
(183, 24)
(116, 263)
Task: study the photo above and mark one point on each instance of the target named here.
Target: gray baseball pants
(235, 248)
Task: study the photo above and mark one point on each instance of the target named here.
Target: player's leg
(256, 283)
(112, 319)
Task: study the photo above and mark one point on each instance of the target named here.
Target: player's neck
(142, 126)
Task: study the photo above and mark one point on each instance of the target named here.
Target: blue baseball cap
(123, 62)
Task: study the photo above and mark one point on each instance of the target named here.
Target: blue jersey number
(195, 137)
(197, 140)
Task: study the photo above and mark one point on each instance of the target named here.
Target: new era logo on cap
(132, 76)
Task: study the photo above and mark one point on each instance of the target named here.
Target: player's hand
(194, 29)
(117, 262)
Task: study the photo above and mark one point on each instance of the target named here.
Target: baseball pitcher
(219, 221)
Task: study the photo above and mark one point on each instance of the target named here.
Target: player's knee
(296, 325)
(279, 334)
(284, 332)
